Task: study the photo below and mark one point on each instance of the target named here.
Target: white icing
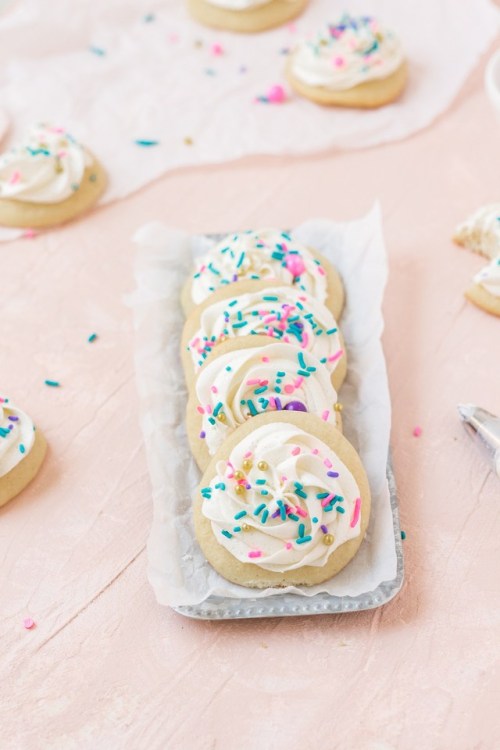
(348, 53)
(489, 277)
(47, 168)
(288, 452)
(481, 231)
(287, 318)
(16, 436)
(221, 391)
(268, 254)
(238, 4)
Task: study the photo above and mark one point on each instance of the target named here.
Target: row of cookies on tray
(284, 499)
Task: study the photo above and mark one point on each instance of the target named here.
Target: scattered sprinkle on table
(146, 142)
(52, 383)
(29, 234)
(417, 431)
(28, 623)
(188, 141)
(92, 338)
(149, 18)
(217, 49)
(97, 51)
(275, 95)
(403, 535)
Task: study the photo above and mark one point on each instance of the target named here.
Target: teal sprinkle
(146, 143)
(265, 516)
(304, 539)
(308, 316)
(269, 298)
(332, 330)
(403, 535)
(239, 515)
(240, 260)
(322, 495)
(52, 383)
(3, 432)
(214, 270)
(300, 305)
(323, 360)
(319, 332)
(239, 315)
(302, 530)
(97, 51)
(277, 256)
(282, 510)
(237, 528)
(242, 402)
(228, 368)
(220, 486)
(304, 373)
(301, 494)
(264, 492)
(264, 403)
(259, 509)
(261, 481)
(293, 517)
(233, 303)
(281, 374)
(240, 325)
(211, 420)
(226, 534)
(217, 408)
(311, 369)
(340, 509)
(277, 389)
(92, 337)
(251, 406)
(314, 519)
(302, 361)
(262, 389)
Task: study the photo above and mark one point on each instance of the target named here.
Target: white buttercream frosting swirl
(267, 254)
(240, 384)
(282, 313)
(47, 168)
(489, 277)
(480, 232)
(238, 4)
(347, 53)
(17, 436)
(298, 504)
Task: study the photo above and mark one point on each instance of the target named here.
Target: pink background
(106, 667)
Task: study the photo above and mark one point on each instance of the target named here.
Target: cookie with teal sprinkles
(265, 312)
(285, 501)
(22, 450)
(264, 255)
(247, 379)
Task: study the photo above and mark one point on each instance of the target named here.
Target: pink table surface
(106, 667)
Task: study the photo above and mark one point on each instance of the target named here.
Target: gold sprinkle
(328, 539)
(221, 416)
(338, 406)
(58, 167)
(263, 465)
(188, 141)
(245, 527)
(247, 464)
(238, 475)
(198, 43)
(239, 489)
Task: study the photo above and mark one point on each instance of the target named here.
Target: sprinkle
(265, 516)
(293, 517)
(203, 434)
(324, 528)
(300, 511)
(304, 539)
(325, 415)
(146, 142)
(251, 406)
(29, 234)
(332, 474)
(270, 298)
(220, 486)
(259, 509)
(239, 515)
(28, 623)
(340, 509)
(52, 383)
(302, 530)
(92, 338)
(335, 357)
(149, 18)
(328, 463)
(417, 431)
(261, 481)
(296, 451)
(22, 449)
(97, 51)
(200, 409)
(236, 528)
(265, 359)
(214, 389)
(255, 553)
(217, 408)
(217, 49)
(242, 324)
(227, 534)
(16, 176)
(403, 535)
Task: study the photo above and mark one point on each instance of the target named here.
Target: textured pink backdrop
(108, 668)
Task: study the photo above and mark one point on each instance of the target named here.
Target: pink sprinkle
(292, 28)
(295, 265)
(315, 451)
(195, 341)
(270, 332)
(328, 463)
(269, 319)
(265, 359)
(208, 409)
(255, 553)
(253, 381)
(325, 415)
(299, 381)
(289, 545)
(305, 340)
(214, 389)
(173, 38)
(300, 511)
(335, 357)
(200, 409)
(29, 234)
(61, 154)
(289, 388)
(417, 431)
(339, 62)
(321, 271)
(16, 176)
(28, 623)
(355, 515)
(217, 49)
(326, 500)
(276, 94)
(272, 402)
(296, 451)
(248, 454)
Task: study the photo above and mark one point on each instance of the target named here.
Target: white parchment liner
(177, 569)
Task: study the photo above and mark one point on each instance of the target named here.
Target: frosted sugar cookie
(48, 180)
(353, 63)
(245, 380)
(485, 290)
(264, 255)
(481, 231)
(285, 501)
(245, 15)
(263, 311)
(22, 450)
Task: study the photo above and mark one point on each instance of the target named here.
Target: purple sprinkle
(332, 474)
(248, 486)
(11, 427)
(14, 419)
(235, 277)
(203, 434)
(275, 514)
(278, 403)
(324, 528)
(295, 406)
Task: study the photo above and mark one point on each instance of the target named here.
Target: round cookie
(303, 509)
(262, 311)
(485, 291)
(22, 450)
(48, 180)
(245, 379)
(481, 231)
(246, 16)
(354, 63)
(269, 255)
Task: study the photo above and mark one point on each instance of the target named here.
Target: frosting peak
(481, 231)
(47, 168)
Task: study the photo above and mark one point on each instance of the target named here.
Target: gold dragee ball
(328, 539)
(221, 417)
(245, 527)
(247, 464)
(239, 489)
(263, 465)
(238, 475)
(338, 406)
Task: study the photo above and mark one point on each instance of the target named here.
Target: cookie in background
(245, 16)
